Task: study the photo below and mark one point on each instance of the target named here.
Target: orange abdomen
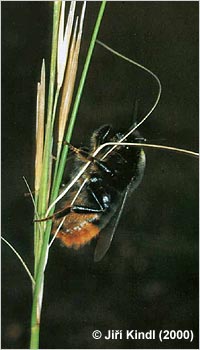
(77, 230)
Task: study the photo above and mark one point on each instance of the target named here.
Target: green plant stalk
(45, 179)
(36, 239)
(35, 322)
(42, 205)
(62, 163)
(58, 153)
(43, 193)
(35, 326)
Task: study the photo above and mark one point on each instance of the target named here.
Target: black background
(149, 278)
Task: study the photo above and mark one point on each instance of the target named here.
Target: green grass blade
(49, 126)
(62, 163)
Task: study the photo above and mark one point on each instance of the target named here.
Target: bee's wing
(108, 232)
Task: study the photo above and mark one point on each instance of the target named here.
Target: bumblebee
(109, 179)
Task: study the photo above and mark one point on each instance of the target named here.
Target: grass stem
(46, 189)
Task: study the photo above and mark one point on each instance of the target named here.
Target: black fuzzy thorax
(122, 162)
(108, 178)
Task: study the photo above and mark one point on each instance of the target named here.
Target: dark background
(149, 278)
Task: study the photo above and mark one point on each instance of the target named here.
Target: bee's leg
(61, 213)
(73, 209)
(87, 157)
(81, 153)
(80, 209)
(85, 210)
(101, 198)
(102, 201)
(100, 163)
(102, 166)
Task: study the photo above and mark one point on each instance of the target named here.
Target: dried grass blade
(40, 127)
(64, 41)
(20, 259)
(70, 78)
(68, 87)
